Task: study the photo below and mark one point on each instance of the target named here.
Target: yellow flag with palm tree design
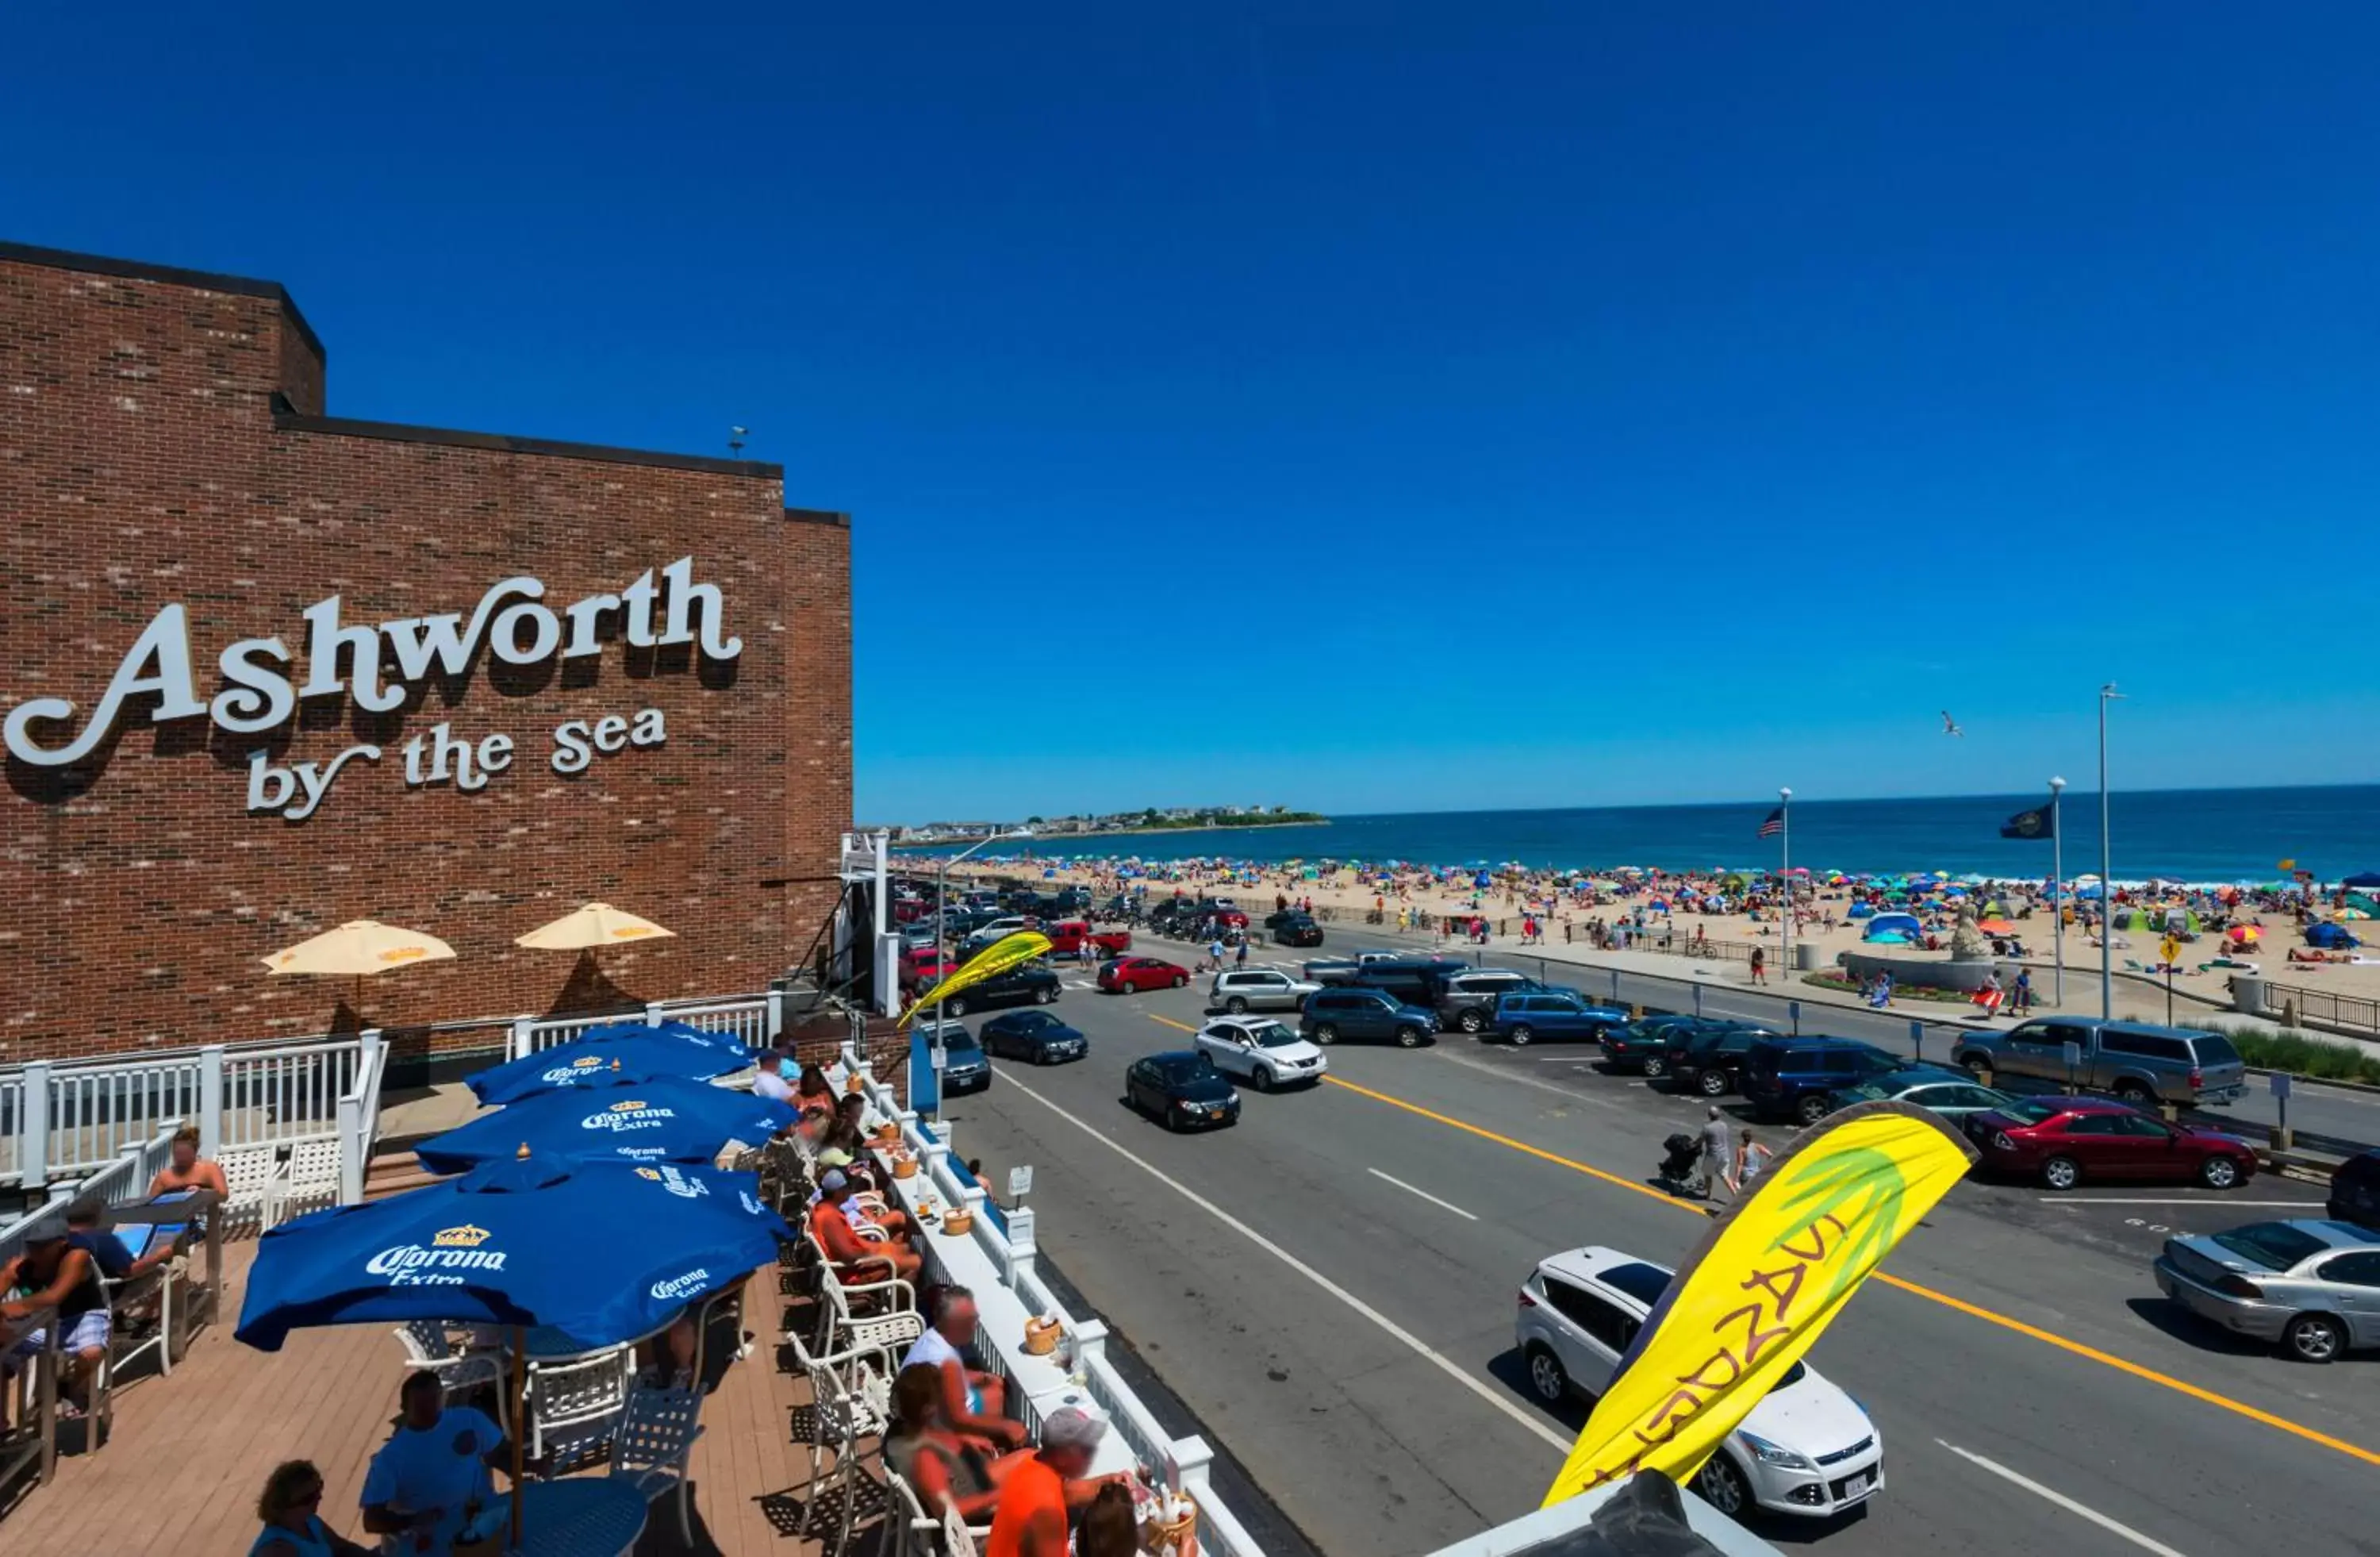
(1772, 1274)
(1007, 951)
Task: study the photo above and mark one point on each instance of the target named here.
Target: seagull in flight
(1951, 726)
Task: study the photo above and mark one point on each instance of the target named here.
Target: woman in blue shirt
(293, 1525)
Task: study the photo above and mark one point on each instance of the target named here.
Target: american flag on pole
(1775, 825)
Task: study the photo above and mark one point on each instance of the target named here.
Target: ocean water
(2198, 835)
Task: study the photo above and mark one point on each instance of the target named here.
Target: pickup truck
(2133, 1060)
(1343, 970)
(1066, 937)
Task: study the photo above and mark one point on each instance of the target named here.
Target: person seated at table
(187, 1169)
(290, 1510)
(432, 1475)
(1039, 1494)
(115, 1262)
(973, 1403)
(949, 1469)
(844, 1132)
(774, 1080)
(813, 1091)
(1110, 1527)
(55, 1273)
(852, 1257)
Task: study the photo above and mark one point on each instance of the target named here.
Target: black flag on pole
(2039, 822)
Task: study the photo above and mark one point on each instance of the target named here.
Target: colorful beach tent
(1902, 925)
(2330, 938)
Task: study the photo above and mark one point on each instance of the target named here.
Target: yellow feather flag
(1771, 1275)
(999, 957)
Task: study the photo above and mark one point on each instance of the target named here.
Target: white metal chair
(957, 1539)
(431, 1346)
(574, 1402)
(250, 1173)
(879, 1339)
(310, 1177)
(652, 1444)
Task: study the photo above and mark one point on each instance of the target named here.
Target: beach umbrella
(2363, 879)
(615, 1056)
(668, 1120)
(589, 927)
(2244, 935)
(359, 949)
(1996, 927)
(509, 1245)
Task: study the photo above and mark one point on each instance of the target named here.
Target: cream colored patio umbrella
(586, 928)
(358, 950)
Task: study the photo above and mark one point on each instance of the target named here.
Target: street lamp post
(942, 942)
(1785, 869)
(2107, 884)
(2057, 888)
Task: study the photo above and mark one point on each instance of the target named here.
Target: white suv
(1270, 1055)
(1807, 1449)
(1258, 989)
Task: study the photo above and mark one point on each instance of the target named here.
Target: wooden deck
(188, 1454)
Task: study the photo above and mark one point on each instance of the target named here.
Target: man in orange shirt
(853, 1257)
(1031, 1520)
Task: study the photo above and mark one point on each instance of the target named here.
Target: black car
(1642, 1045)
(1035, 1036)
(1181, 1088)
(1294, 929)
(1018, 985)
(1711, 1059)
(2355, 1191)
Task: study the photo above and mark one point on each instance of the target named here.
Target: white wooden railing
(119, 1181)
(1185, 1462)
(758, 1021)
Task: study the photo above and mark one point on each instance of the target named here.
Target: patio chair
(310, 1178)
(248, 1172)
(574, 1404)
(431, 1346)
(958, 1540)
(651, 1443)
(918, 1533)
(880, 1339)
(843, 1301)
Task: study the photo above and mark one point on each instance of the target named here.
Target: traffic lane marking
(1447, 1205)
(2052, 1495)
(2017, 1326)
(1559, 1442)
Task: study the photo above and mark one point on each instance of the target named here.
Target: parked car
(1806, 1449)
(1466, 1000)
(2135, 1061)
(1135, 975)
(1258, 989)
(1642, 1045)
(1795, 1077)
(1414, 981)
(1182, 1088)
(1950, 1093)
(964, 1066)
(1331, 1014)
(1343, 970)
(2312, 1288)
(2065, 1140)
(1295, 930)
(1067, 937)
(1035, 1037)
(1707, 1058)
(1267, 1053)
(2355, 1191)
(1522, 1020)
(1030, 985)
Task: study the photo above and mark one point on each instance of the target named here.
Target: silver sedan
(2310, 1288)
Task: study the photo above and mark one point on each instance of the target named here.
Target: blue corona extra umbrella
(664, 1121)
(609, 1055)
(603, 1252)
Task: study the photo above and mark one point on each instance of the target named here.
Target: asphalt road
(1330, 1283)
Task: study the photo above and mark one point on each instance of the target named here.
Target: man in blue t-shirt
(431, 1470)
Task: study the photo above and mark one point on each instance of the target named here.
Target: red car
(1132, 974)
(924, 967)
(2066, 1140)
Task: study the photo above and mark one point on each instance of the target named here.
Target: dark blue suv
(1528, 1014)
(1796, 1077)
(1330, 1015)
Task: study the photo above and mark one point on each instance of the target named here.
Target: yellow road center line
(2034, 1332)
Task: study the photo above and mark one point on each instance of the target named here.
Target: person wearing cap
(853, 1256)
(1030, 1519)
(53, 1272)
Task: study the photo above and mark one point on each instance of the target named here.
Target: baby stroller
(1681, 1171)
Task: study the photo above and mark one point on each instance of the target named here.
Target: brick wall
(161, 439)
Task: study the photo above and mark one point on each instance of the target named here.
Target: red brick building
(264, 670)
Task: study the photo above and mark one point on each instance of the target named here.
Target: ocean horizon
(2210, 835)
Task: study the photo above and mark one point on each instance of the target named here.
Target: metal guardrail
(2325, 1006)
(1012, 1253)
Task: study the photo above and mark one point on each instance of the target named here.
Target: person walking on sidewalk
(1718, 1155)
(1759, 966)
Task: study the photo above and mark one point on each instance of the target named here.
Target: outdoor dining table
(187, 1206)
(577, 1516)
(42, 1446)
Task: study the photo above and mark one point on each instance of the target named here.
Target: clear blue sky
(1376, 407)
